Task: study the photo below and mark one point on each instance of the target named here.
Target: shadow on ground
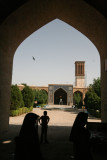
(59, 147)
(76, 111)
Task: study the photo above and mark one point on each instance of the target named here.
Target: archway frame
(81, 94)
(61, 88)
(30, 17)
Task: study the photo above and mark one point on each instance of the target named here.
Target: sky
(55, 46)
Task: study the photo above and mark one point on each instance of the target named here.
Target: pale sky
(56, 46)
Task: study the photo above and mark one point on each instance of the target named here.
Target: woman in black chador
(27, 143)
(80, 137)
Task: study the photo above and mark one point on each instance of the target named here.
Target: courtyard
(59, 147)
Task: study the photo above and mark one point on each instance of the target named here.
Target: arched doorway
(78, 99)
(60, 97)
(30, 17)
(80, 93)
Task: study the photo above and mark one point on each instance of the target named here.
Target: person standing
(27, 142)
(44, 120)
(80, 136)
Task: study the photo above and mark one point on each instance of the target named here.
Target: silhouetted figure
(33, 58)
(44, 123)
(27, 143)
(80, 136)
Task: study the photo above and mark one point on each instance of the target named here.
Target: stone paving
(59, 147)
(59, 116)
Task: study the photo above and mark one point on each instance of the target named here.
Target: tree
(93, 97)
(16, 98)
(44, 96)
(92, 100)
(96, 86)
(41, 96)
(28, 96)
(78, 100)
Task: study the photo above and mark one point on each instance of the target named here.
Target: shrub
(20, 111)
(28, 96)
(78, 100)
(93, 98)
(16, 98)
(41, 97)
(14, 113)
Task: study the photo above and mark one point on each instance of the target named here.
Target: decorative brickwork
(80, 74)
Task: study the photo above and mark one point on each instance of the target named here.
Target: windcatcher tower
(80, 74)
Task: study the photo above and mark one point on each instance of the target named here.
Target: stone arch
(80, 93)
(60, 96)
(82, 90)
(31, 16)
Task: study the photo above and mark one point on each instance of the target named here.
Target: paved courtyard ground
(59, 147)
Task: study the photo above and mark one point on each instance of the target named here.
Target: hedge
(20, 111)
(95, 113)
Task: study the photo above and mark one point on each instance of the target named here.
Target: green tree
(16, 98)
(78, 100)
(44, 96)
(28, 96)
(93, 98)
(41, 96)
(96, 86)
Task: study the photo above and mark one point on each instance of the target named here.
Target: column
(103, 91)
(5, 86)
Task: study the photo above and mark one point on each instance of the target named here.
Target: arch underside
(29, 18)
(33, 15)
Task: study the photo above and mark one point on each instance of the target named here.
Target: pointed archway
(60, 97)
(35, 14)
(80, 93)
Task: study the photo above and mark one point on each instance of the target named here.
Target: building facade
(63, 93)
(60, 94)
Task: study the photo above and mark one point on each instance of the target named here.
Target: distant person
(44, 120)
(80, 137)
(60, 102)
(27, 143)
